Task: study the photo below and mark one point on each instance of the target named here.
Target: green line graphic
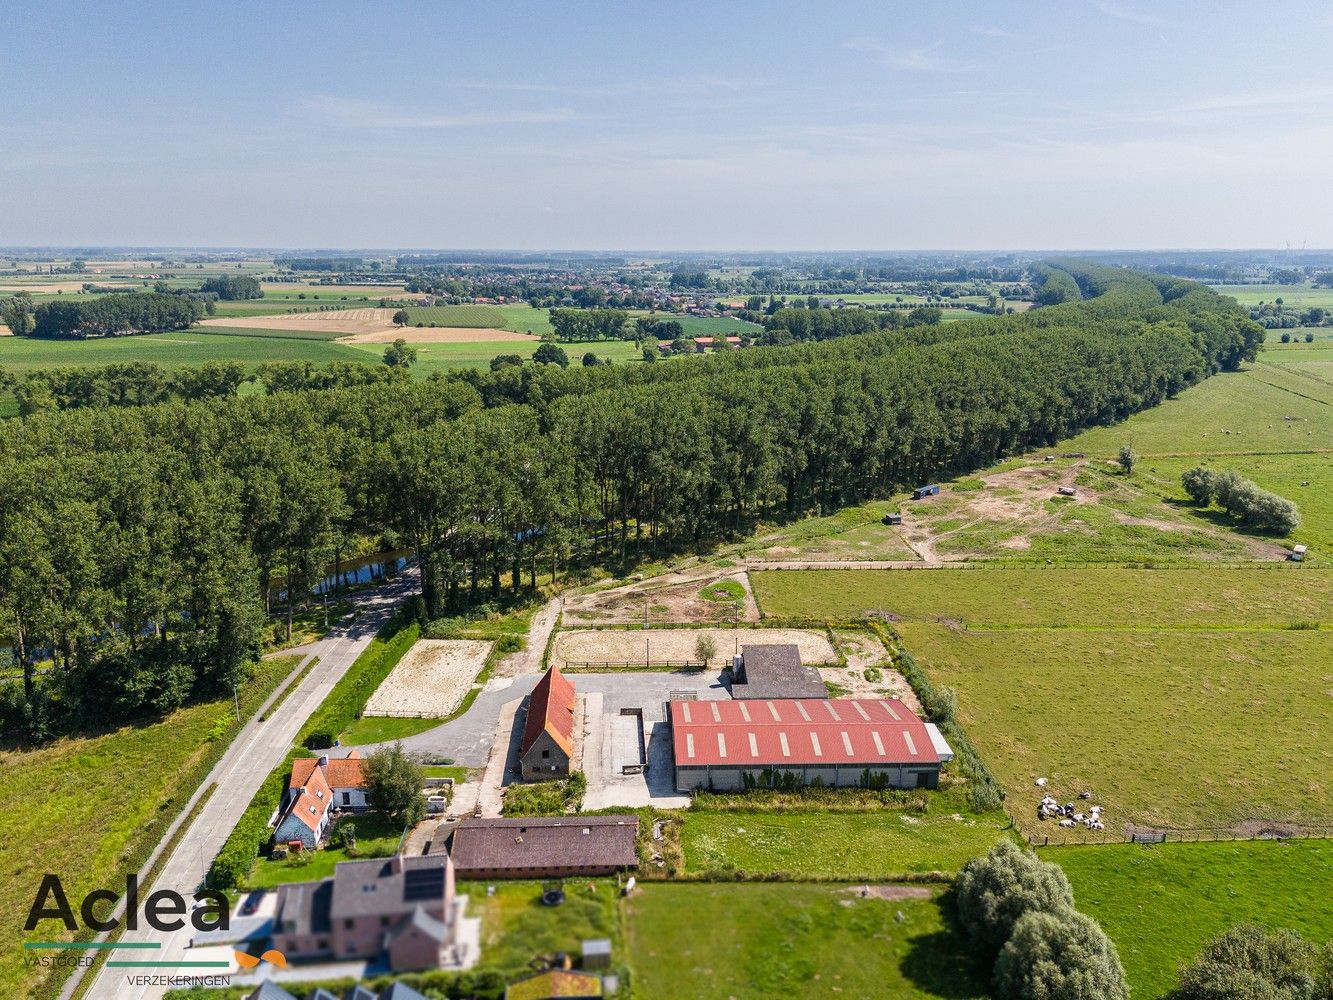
(91, 944)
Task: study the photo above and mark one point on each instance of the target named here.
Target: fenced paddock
(431, 680)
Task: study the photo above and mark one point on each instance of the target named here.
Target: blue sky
(670, 126)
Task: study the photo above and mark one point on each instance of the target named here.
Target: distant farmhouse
(547, 746)
(317, 788)
(546, 847)
(837, 742)
(400, 911)
(774, 671)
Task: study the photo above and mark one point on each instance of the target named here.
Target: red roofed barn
(548, 732)
(837, 742)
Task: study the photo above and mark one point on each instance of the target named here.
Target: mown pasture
(1302, 296)
(769, 940)
(1170, 728)
(1282, 596)
(1160, 904)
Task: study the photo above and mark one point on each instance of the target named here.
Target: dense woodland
(137, 544)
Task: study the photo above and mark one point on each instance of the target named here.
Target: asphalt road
(257, 749)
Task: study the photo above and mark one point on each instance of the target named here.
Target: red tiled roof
(348, 772)
(551, 710)
(799, 732)
(311, 800)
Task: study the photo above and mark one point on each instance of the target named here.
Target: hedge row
(343, 704)
(942, 707)
(349, 696)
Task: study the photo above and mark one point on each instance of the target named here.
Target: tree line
(231, 287)
(114, 316)
(139, 545)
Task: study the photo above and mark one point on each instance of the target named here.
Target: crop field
(1282, 596)
(478, 316)
(725, 941)
(135, 776)
(880, 844)
(1161, 904)
(177, 349)
(1170, 729)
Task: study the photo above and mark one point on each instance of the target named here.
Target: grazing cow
(1068, 822)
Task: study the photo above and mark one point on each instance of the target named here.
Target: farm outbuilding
(921, 492)
(774, 670)
(839, 742)
(547, 745)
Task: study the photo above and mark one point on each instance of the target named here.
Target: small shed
(1297, 553)
(922, 492)
(597, 953)
(893, 519)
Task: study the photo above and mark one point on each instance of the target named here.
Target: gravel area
(431, 679)
(661, 646)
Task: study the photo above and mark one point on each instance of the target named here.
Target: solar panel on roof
(423, 883)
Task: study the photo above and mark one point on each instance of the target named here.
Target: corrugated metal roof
(872, 731)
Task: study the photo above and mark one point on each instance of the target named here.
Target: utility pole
(236, 699)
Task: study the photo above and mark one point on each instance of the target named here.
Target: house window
(348, 924)
(347, 798)
(546, 754)
(384, 921)
(321, 944)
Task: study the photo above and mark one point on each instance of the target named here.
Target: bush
(344, 835)
(1063, 955)
(995, 891)
(1249, 962)
(320, 740)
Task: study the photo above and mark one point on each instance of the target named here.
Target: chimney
(323, 760)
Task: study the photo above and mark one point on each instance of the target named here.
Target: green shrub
(996, 890)
(1250, 962)
(1060, 955)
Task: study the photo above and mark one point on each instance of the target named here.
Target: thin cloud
(916, 59)
(990, 31)
(357, 113)
(1124, 13)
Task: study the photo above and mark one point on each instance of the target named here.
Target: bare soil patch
(864, 652)
(437, 335)
(671, 597)
(661, 646)
(332, 321)
(431, 679)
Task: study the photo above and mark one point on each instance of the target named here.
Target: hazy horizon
(1098, 126)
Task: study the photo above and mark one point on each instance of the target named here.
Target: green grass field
(175, 350)
(474, 316)
(516, 928)
(81, 807)
(1059, 597)
(1314, 360)
(1171, 729)
(746, 941)
(1300, 296)
(881, 844)
(1161, 904)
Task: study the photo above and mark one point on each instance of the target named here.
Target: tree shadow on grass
(943, 964)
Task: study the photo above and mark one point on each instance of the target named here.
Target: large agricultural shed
(544, 847)
(839, 742)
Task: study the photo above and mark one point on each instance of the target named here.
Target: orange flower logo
(272, 957)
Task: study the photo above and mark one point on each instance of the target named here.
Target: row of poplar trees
(138, 545)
